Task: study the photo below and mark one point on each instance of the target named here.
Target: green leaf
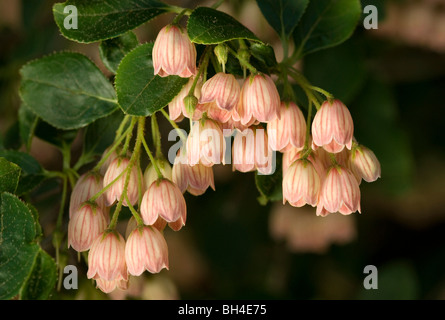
(263, 56)
(113, 50)
(67, 90)
(27, 123)
(210, 26)
(57, 137)
(9, 176)
(139, 91)
(270, 186)
(283, 15)
(19, 250)
(32, 173)
(105, 19)
(42, 279)
(348, 60)
(326, 23)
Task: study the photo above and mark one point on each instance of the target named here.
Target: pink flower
(364, 164)
(106, 258)
(289, 130)
(85, 226)
(243, 151)
(205, 143)
(195, 179)
(162, 199)
(301, 184)
(223, 89)
(333, 127)
(173, 53)
(340, 192)
(86, 187)
(260, 99)
(114, 192)
(146, 249)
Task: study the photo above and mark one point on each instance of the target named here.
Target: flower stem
(152, 159)
(174, 125)
(101, 192)
(243, 62)
(305, 85)
(156, 135)
(203, 66)
(128, 137)
(121, 127)
(308, 125)
(112, 149)
(322, 91)
(132, 162)
(181, 13)
(135, 214)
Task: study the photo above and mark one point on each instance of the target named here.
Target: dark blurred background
(393, 81)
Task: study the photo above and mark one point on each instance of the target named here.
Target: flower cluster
(328, 175)
(325, 174)
(111, 257)
(323, 165)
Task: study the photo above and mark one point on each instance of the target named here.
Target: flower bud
(85, 226)
(301, 184)
(223, 89)
(260, 98)
(162, 199)
(177, 108)
(190, 103)
(106, 258)
(173, 53)
(289, 130)
(221, 52)
(244, 54)
(364, 164)
(146, 249)
(115, 191)
(86, 187)
(340, 192)
(333, 127)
